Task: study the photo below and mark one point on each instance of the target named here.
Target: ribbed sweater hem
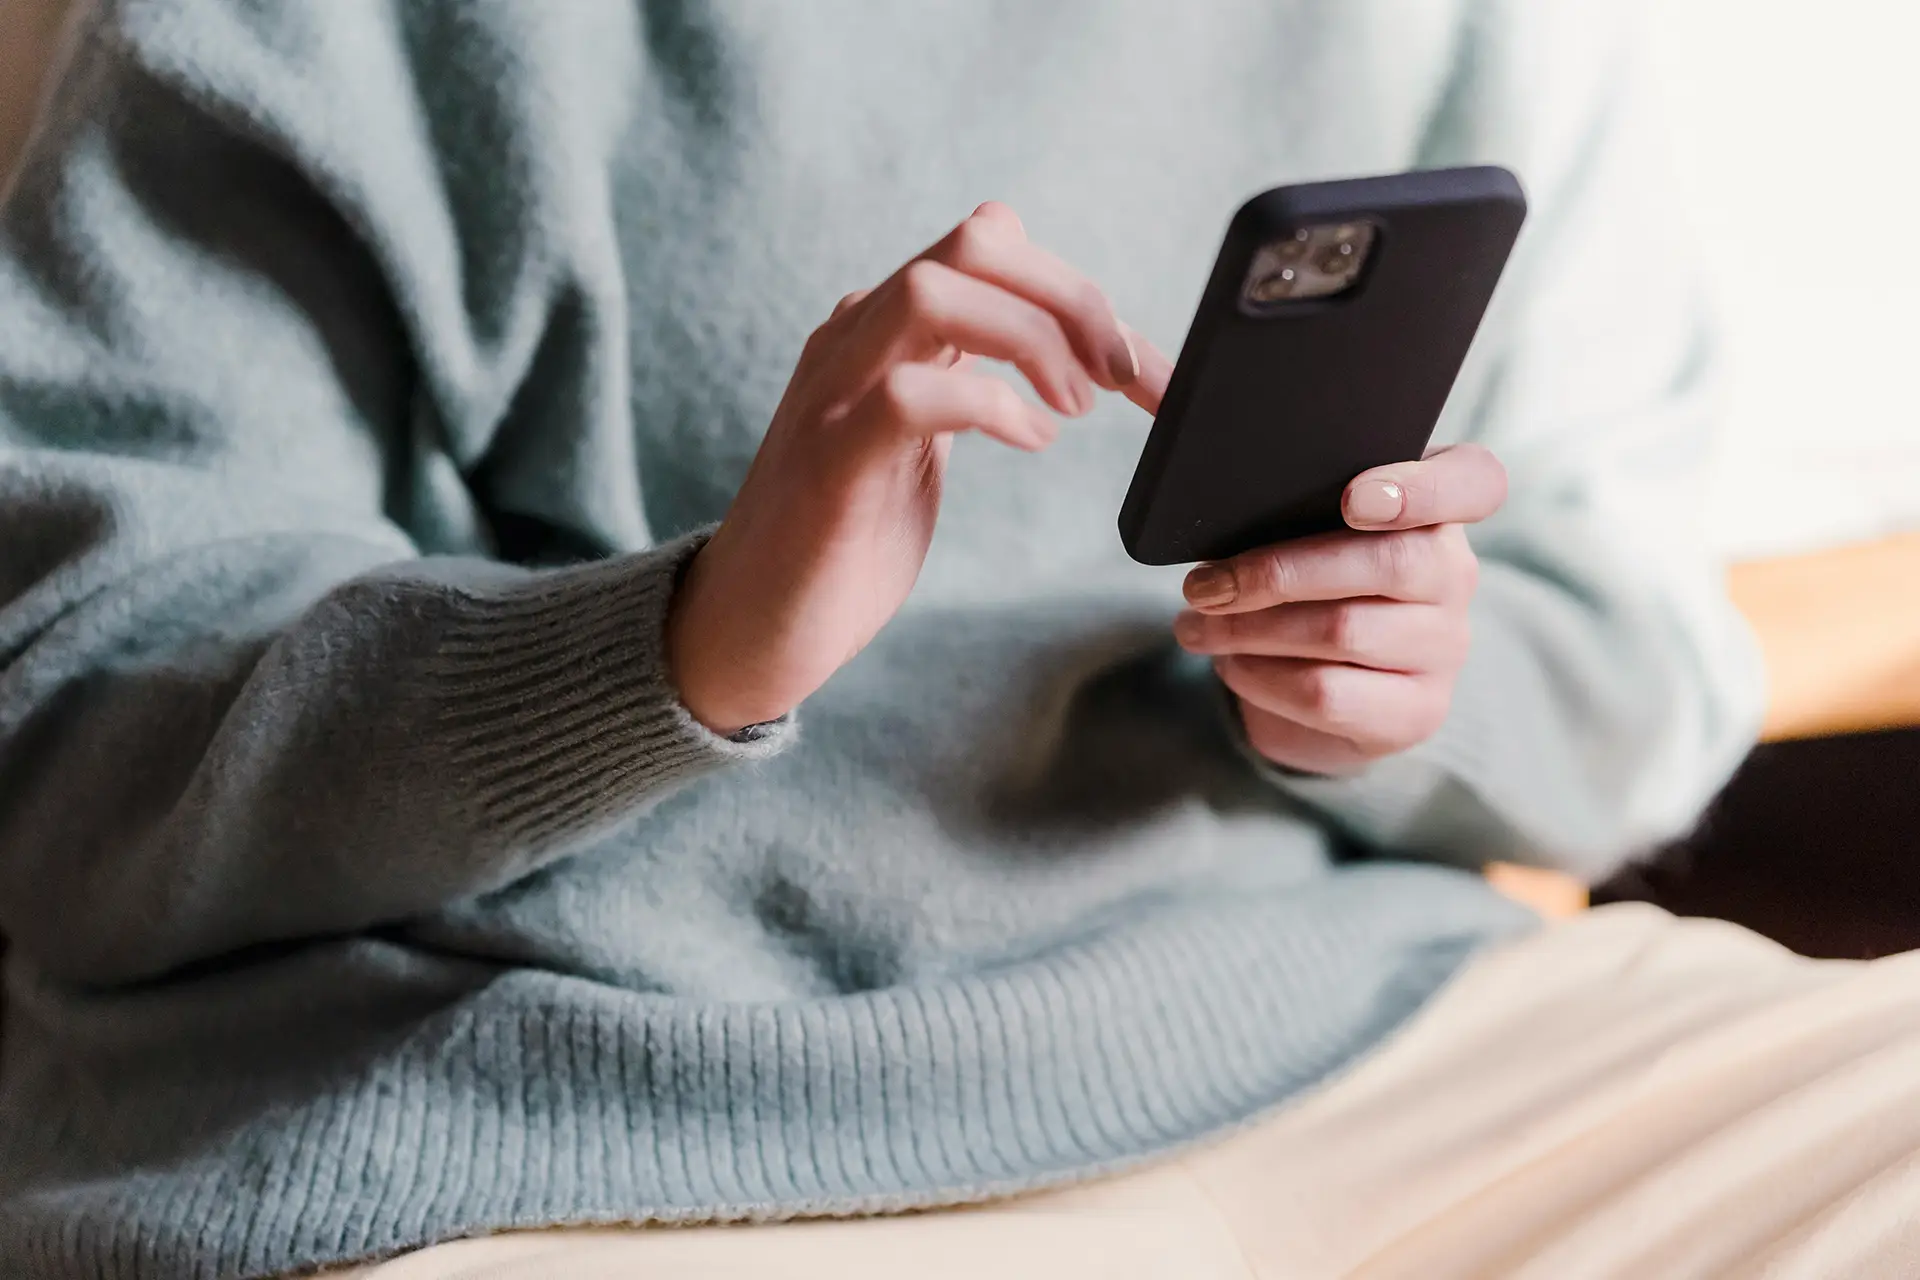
(539, 1099)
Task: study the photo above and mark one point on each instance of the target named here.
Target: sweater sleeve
(1611, 687)
(238, 705)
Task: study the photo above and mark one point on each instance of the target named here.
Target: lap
(1621, 1095)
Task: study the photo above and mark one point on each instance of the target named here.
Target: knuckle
(1285, 577)
(1003, 215)
(847, 303)
(1422, 560)
(1004, 406)
(1323, 695)
(976, 241)
(895, 392)
(814, 343)
(1340, 628)
(920, 286)
(1203, 633)
(1230, 630)
(1264, 575)
(1042, 332)
(1396, 556)
(1421, 491)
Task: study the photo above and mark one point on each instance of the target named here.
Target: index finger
(992, 245)
(1458, 484)
(1156, 371)
(1417, 566)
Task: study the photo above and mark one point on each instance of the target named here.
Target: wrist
(706, 662)
(689, 654)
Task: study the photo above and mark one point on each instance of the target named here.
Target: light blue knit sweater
(367, 369)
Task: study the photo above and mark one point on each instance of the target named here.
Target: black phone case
(1270, 414)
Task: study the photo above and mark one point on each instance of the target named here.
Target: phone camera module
(1309, 263)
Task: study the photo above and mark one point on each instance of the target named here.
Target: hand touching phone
(1343, 648)
(830, 527)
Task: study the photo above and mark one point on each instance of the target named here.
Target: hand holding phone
(1285, 452)
(1343, 648)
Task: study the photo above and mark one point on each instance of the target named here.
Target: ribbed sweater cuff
(555, 702)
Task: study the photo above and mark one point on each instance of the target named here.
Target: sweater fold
(370, 368)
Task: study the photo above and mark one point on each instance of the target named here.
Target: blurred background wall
(1796, 133)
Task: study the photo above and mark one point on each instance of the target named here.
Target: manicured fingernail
(1375, 502)
(1187, 630)
(1211, 585)
(1123, 362)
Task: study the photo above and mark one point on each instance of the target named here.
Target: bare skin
(1341, 649)
(1344, 648)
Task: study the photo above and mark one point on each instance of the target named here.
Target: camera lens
(1274, 285)
(1308, 263)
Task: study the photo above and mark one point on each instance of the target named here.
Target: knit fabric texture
(370, 369)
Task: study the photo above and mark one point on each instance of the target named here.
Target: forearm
(264, 738)
(236, 704)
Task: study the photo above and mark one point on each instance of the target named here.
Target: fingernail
(1375, 502)
(1123, 362)
(1211, 585)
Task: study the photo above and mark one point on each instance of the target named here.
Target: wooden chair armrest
(1840, 631)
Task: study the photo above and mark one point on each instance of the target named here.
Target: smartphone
(1328, 338)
